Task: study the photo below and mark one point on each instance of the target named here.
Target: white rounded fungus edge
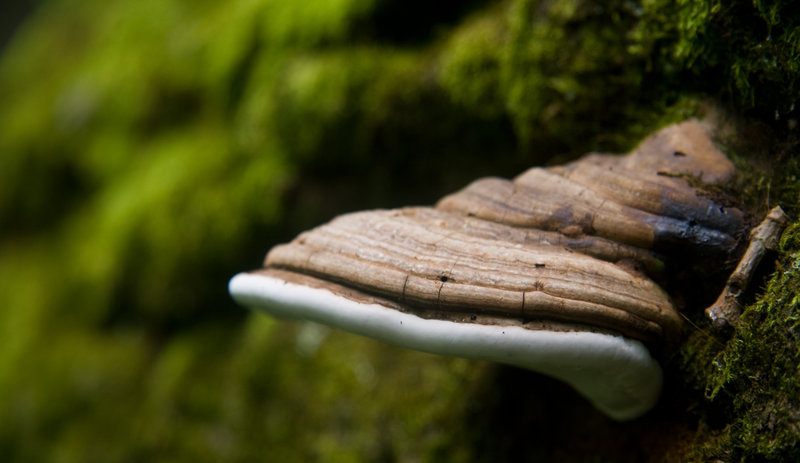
(616, 374)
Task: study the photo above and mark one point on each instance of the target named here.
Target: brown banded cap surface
(645, 199)
(428, 259)
(545, 246)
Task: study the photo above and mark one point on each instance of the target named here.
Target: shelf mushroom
(555, 271)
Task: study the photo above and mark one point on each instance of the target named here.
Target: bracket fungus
(558, 271)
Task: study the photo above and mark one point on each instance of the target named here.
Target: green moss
(471, 63)
(564, 73)
(743, 52)
(752, 382)
(331, 103)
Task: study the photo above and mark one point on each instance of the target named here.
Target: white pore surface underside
(616, 374)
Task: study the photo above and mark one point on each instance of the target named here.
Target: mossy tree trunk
(152, 149)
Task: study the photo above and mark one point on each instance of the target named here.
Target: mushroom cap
(432, 262)
(616, 374)
(553, 271)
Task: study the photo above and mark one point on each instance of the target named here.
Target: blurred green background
(151, 149)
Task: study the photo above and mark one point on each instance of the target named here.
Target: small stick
(725, 312)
